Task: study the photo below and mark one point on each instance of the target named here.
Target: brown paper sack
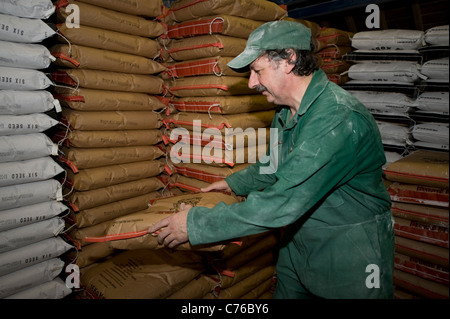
(224, 24)
(260, 10)
(83, 158)
(159, 210)
(215, 156)
(255, 120)
(142, 274)
(246, 285)
(144, 8)
(205, 66)
(109, 40)
(91, 254)
(112, 120)
(93, 198)
(422, 167)
(203, 46)
(421, 213)
(82, 99)
(93, 178)
(104, 18)
(94, 139)
(82, 57)
(205, 173)
(93, 216)
(222, 104)
(106, 80)
(209, 85)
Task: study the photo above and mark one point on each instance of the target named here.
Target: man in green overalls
(326, 189)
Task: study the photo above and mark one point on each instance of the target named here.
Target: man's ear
(290, 62)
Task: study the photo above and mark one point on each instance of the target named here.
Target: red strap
(73, 98)
(72, 166)
(66, 57)
(111, 237)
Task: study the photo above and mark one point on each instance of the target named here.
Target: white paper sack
(24, 30)
(38, 9)
(433, 146)
(26, 146)
(30, 277)
(27, 102)
(433, 102)
(29, 234)
(25, 124)
(26, 215)
(436, 133)
(23, 79)
(396, 135)
(25, 55)
(438, 35)
(392, 39)
(30, 193)
(29, 255)
(54, 289)
(27, 171)
(386, 71)
(436, 69)
(387, 103)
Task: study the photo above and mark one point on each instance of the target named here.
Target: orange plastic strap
(228, 273)
(185, 186)
(69, 163)
(66, 57)
(116, 236)
(61, 3)
(74, 98)
(167, 121)
(63, 77)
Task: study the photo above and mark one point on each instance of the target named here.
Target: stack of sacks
(238, 265)
(431, 128)
(209, 97)
(111, 106)
(419, 189)
(333, 45)
(384, 78)
(31, 197)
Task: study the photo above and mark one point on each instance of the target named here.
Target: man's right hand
(217, 186)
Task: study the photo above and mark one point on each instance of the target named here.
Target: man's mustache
(260, 88)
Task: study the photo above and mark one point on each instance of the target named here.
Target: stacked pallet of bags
(238, 268)
(208, 97)
(384, 76)
(332, 45)
(109, 90)
(430, 130)
(419, 189)
(31, 207)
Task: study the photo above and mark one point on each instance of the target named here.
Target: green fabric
(273, 35)
(327, 190)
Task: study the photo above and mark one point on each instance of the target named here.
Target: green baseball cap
(273, 35)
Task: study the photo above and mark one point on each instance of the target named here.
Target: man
(327, 191)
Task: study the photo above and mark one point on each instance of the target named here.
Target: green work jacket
(326, 188)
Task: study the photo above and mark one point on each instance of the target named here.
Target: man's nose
(252, 81)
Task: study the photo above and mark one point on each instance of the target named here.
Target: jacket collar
(318, 84)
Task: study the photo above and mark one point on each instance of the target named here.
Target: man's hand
(175, 231)
(217, 186)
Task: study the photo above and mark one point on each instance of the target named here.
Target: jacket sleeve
(322, 157)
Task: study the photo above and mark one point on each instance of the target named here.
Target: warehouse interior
(94, 95)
